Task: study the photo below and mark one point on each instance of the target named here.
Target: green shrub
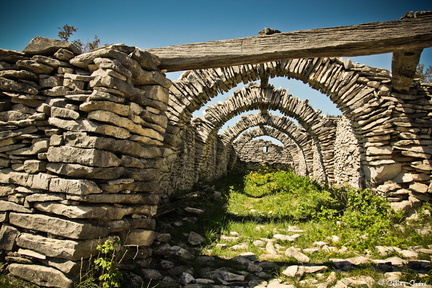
(105, 272)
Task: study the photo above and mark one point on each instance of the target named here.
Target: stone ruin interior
(91, 143)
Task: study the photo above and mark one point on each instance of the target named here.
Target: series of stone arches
(92, 143)
(356, 89)
(254, 97)
(280, 128)
(374, 117)
(296, 155)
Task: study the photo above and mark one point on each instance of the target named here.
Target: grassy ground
(257, 205)
(260, 204)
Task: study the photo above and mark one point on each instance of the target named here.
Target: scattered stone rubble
(182, 265)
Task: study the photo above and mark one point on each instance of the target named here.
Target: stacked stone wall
(295, 154)
(90, 143)
(265, 152)
(215, 164)
(347, 155)
(407, 185)
(81, 150)
(189, 168)
(183, 173)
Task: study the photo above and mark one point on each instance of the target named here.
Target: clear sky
(158, 23)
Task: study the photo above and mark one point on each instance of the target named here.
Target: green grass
(279, 199)
(259, 204)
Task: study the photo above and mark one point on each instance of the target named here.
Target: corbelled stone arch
(279, 128)
(253, 97)
(348, 85)
(359, 91)
(295, 152)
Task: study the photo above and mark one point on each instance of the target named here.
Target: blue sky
(150, 24)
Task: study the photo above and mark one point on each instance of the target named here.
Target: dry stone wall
(90, 143)
(408, 184)
(265, 152)
(347, 155)
(81, 155)
(183, 174)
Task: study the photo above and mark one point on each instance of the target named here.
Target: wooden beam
(404, 66)
(344, 41)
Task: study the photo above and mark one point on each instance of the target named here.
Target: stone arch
(320, 128)
(348, 85)
(281, 128)
(298, 161)
(359, 91)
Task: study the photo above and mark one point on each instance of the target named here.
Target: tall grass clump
(283, 194)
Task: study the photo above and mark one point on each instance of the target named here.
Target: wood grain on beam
(344, 41)
(404, 66)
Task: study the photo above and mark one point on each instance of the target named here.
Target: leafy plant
(103, 271)
(110, 273)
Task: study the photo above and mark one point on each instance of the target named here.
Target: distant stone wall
(265, 152)
(81, 155)
(295, 156)
(278, 127)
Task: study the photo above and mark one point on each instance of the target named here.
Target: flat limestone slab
(57, 226)
(102, 212)
(56, 248)
(40, 275)
(89, 157)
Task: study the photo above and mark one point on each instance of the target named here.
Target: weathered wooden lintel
(404, 37)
